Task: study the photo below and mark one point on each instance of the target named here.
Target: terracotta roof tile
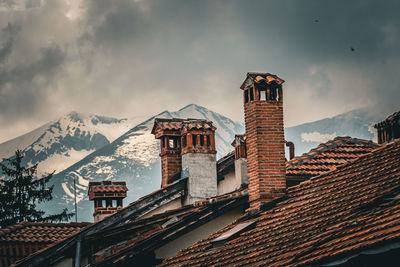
(322, 219)
(128, 238)
(328, 156)
(389, 120)
(176, 124)
(39, 232)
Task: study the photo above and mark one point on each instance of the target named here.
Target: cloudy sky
(127, 58)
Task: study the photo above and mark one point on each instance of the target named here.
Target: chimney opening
(263, 95)
(251, 94)
(162, 142)
(171, 143)
(201, 140)
(194, 138)
(184, 141)
(246, 96)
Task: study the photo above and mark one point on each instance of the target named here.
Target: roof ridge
(12, 228)
(324, 147)
(340, 167)
(226, 156)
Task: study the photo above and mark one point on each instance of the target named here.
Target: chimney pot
(107, 197)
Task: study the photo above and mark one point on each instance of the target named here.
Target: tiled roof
(225, 164)
(328, 156)
(137, 237)
(257, 77)
(389, 120)
(115, 187)
(176, 124)
(30, 232)
(326, 218)
(128, 214)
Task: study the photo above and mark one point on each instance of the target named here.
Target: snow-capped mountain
(60, 143)
(95, 148)
(133, 157)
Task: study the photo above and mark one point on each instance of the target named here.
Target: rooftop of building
(329, 217)
(328, 156)
(389, 120)
(126, 240)
(260, 77)
(40, 232)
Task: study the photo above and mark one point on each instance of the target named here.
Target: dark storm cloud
(119, 57)
(23, 89)
(330, 47)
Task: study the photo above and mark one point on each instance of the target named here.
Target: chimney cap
(259, 77)
(175, 125)
(389, 120)
(239, 138)
(100, 188)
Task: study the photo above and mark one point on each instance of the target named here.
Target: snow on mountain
(60, 143)
(8, 148)
(133, 158)
(95, 148)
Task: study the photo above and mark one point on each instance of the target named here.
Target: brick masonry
(171, 163)
(265, 144)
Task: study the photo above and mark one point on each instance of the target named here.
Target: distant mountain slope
(8, 148)
(357, 123)
(94, 148)
(60, 143)
(133, 158)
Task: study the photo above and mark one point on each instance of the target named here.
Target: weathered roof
(389, 120)
(328, 156)
(176, 124)
(130, 213)
(39, 232)
(144, 235)
(323, 219)
(258, 77)
(107, 186)
(225, 164)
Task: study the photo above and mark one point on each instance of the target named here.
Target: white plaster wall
(173, 247)
(202, 182)
(228, 184)
(241, 172)
(174, 204)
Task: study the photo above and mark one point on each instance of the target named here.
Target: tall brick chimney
(107, 197)
(169, 133)
(265, 142)
(199, 158)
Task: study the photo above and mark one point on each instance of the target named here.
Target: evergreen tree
(21, 190)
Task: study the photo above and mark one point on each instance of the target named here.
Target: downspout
(78, 254)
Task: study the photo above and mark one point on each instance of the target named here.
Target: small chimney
(389, 129)
(240, 160)
(199, 158)
(169, 133)
(265, 142)
(290, 145)
(107, 197)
